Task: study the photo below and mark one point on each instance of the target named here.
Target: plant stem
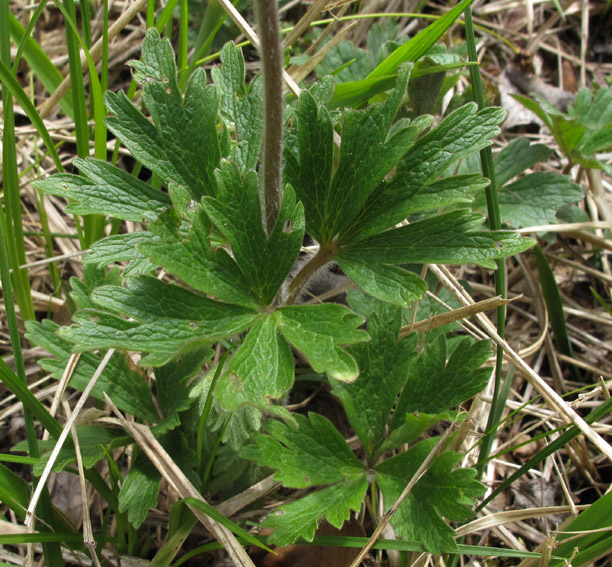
(272, 67)
(322, 257)
(488, 170)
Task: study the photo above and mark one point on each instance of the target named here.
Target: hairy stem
(272, 66)
(322, 257)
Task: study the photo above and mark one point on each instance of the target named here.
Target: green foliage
(312, 452)
(586, 127)
(234, 285)
(533, 199)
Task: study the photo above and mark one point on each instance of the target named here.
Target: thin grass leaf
(183, 29)
(494, 217)
(38, 61)
(224, 521)
(76, 78)
(554, 303)
(23, 394)
(544, 453)
(61, 537)
(165, 16)
(354, 92)
(8, 80)
(419, 44)
(388, 544)
(595, 543)
(93, 225)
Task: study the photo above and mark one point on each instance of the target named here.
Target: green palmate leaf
(370, 149)
(516, 157)
(443, 492)
(181, 145)
(434, 385)
(535, 199)
(240, 107)
(445, 239)
(310, 453)
(263, 367)
(108, 190)
(593, 111)
(191, 258)
(124, 385)
(387, 283)
(416, 185)
(300, 518)
(139, 490)
(264, 261)
(165, 320)
(383, 363)
(318, 330)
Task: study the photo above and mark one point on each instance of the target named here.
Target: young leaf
(434, 385)
(172, 386)
(387, 283)
(535, 199)
(300, 518)
(191, 258)
(370, 149)
(91, 440)
(516, 157)
(443, 492)
(383, 364)
(139, 490)
(318, 330)
(241, 107)
(121, 248)
(165, 319)
(263, 367)
(309, 454)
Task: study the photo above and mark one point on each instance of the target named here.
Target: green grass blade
(592, 545)
(79, 98)
(11, 217)
(488, 170)
(7, 79)
(14, 491)
(47, 73)
(395, 545)
(551, 448)
(213, 513)
(420, 43)
(166, 15)
(93, 225)
(354, 92)
(23, 394)
(183, 31)
(16, 539)
(554, 304)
